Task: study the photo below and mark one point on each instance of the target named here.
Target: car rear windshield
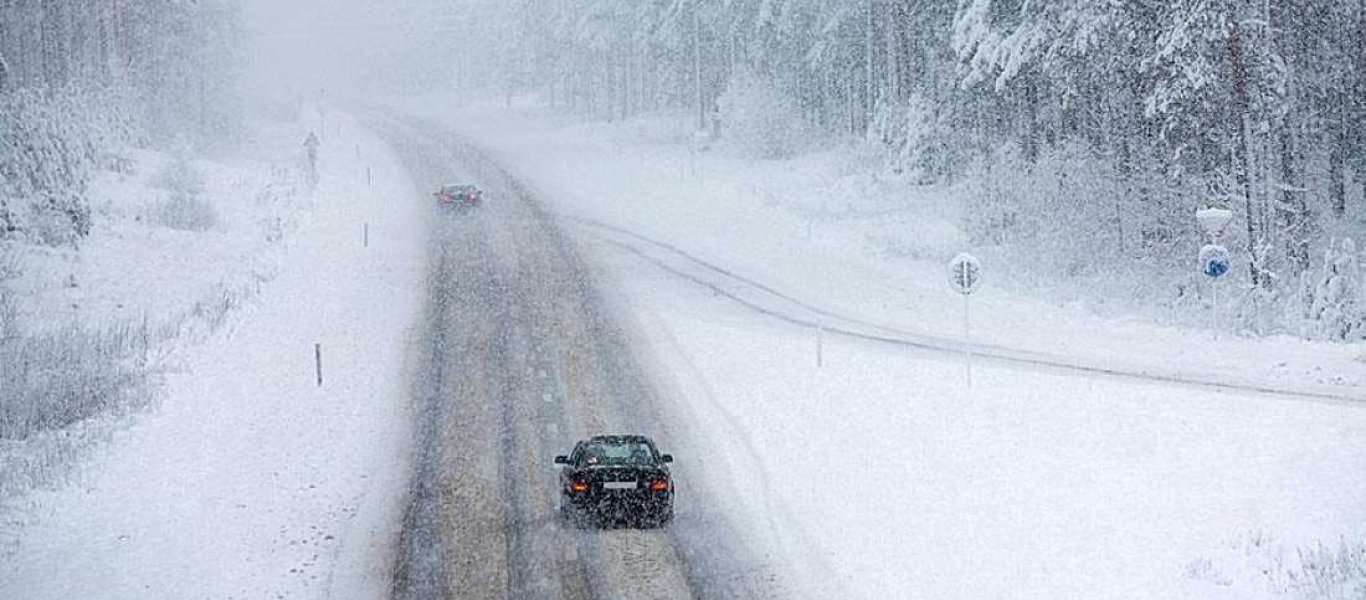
(619, 453)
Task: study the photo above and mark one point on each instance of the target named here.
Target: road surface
(521, 356)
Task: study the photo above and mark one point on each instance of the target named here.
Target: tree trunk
(1031, 116)
(1242, 160)
(1337, 157)
(1294, 209)
(869, 100)
(901, 33)
(697, 68)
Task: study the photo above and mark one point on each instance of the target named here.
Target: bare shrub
(187, 213)
(185, 207)
(55, 379)
(9, 263)
(1321, 572)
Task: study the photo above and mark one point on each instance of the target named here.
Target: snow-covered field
(250, 480)
(881, 469)
(821, 228)
(880, 474)
(877, 474)
(255, 204)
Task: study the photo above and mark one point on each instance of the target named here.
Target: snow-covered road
(523, 356)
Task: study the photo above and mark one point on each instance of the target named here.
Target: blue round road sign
(1214, 261)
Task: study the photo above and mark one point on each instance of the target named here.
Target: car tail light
(579, 487)
(659, 485)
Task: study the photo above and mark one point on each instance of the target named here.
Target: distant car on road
(459, 196)
(616, 479)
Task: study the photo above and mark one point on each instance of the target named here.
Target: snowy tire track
(524, 358)
(768, 301)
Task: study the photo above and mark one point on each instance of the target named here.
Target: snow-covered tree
(760, 117)
(1162, 107)
(1336, 306)
(75, 79)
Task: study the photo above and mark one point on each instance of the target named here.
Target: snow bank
(253, 481)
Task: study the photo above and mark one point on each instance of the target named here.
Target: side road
(252, 480)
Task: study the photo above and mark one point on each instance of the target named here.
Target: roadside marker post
(318, 361)
(1214, 263)
(1214, 257)
(820, 350)
(965, 277)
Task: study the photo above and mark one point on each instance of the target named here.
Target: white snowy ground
(251, 481)
(105, 281)
(880, 475)
(820, 228)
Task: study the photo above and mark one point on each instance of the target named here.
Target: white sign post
(965, 276)
(1214, 258)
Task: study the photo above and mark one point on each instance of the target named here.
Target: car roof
(619, 439)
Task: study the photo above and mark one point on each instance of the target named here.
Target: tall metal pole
(1214, 298)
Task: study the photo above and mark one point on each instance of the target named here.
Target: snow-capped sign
(1214, 261)
(1214, 220)
(965, 273)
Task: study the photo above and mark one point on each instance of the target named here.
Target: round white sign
(965, 273)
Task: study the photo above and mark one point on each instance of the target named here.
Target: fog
(366, 47)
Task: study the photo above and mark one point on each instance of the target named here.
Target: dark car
(616, 479)
(459, 196)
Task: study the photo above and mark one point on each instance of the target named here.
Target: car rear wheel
(573, 517)
(666, 517)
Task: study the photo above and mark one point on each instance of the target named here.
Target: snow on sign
(965, 273)
(1214, 220)
(1214, 261)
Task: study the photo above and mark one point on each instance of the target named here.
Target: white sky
(346, 46)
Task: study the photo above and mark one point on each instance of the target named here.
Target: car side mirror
(666, 458)
(561, 460)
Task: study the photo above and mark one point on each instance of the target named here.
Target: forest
(1089, 131)
(1082, 134)
(82, 79)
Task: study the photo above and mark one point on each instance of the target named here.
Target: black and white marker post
(965, 276)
